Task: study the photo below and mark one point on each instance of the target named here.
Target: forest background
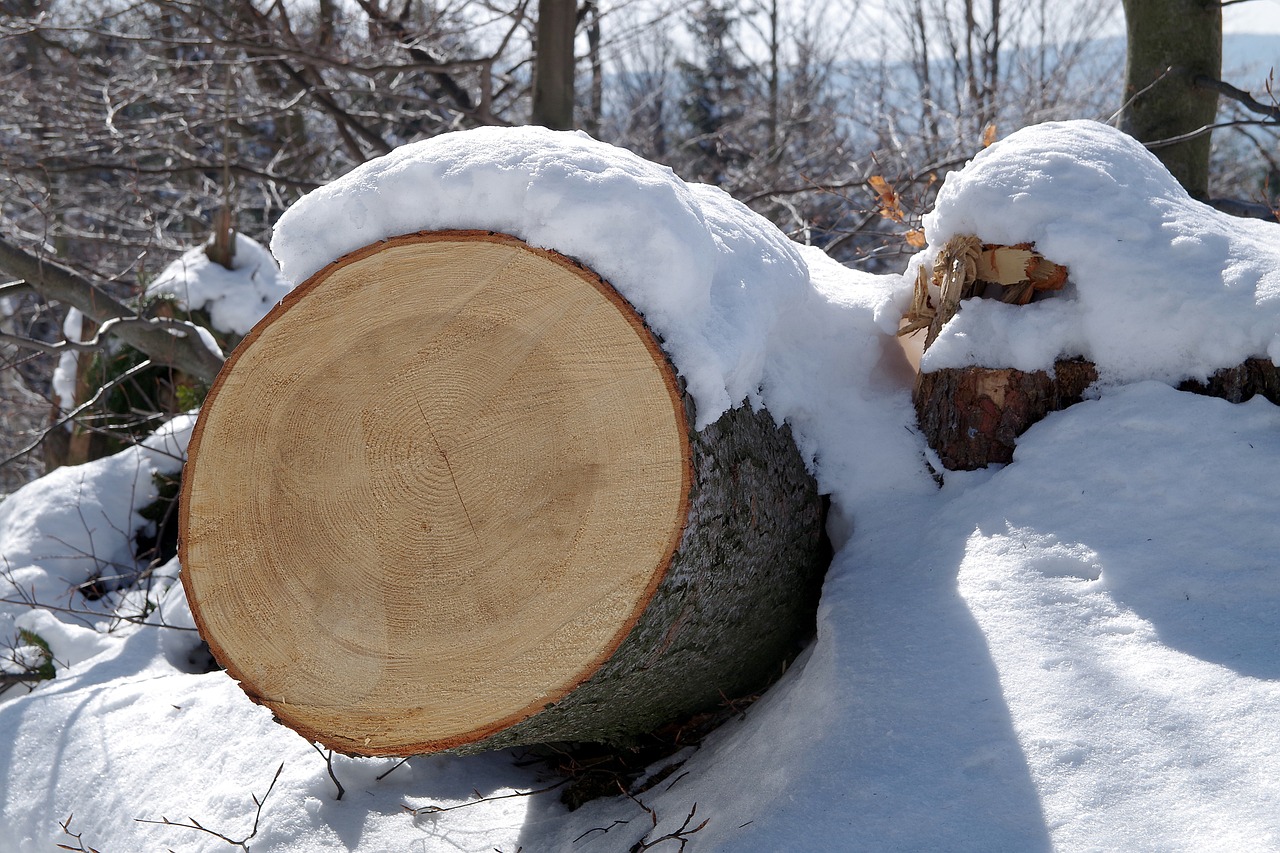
(132, 131)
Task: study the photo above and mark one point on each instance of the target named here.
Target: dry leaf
(890, 206)
(915, 238)
(988, 135)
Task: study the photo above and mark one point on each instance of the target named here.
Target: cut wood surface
(451, 480)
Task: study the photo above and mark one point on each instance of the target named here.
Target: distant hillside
(1250, 54)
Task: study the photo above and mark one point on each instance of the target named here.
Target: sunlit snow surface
(1079, 650)
(1163, 287)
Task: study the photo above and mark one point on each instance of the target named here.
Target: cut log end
(435, 490)
(431, 494)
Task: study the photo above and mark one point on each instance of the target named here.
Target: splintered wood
(971, 416)
(968, 268)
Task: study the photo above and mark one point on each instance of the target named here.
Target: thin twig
(1138, 94)
(393, 769)
(242, 843)
(97, 395)
(421, 810)
(601, 829)
(79, 848)
(327, 755)
(1208, 128)
(681, 835)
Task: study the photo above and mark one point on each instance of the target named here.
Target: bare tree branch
(1201, 131)
(1250, 103)
(181, 349)
(321, 96)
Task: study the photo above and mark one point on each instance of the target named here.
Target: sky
(1253, 16)
(1256, 16)
(1250, 17)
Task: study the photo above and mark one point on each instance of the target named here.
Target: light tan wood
(432, 491)
(1005, 265)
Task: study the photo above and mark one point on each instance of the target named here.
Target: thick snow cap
(1164, 287)
(235, 298)
(708, 274)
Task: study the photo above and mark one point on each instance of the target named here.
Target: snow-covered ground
(1079, 650)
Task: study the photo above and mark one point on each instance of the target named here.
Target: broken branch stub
(967, 268)
(973, 415)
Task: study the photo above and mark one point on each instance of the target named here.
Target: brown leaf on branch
(888, 200)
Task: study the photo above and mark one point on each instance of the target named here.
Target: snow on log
(1027, 307)
(487, 517)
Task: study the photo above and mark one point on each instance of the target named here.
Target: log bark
(448, 496)
(1242, 382)
(972, 416)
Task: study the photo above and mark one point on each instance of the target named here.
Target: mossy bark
(1170, 43)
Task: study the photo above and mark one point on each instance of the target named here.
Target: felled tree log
(448, 496)
(972, 416)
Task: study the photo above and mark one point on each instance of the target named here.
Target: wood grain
(433, 491)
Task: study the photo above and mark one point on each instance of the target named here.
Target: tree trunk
(596, 112)
(1170, 43)
(448, 496)
(553, 64)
